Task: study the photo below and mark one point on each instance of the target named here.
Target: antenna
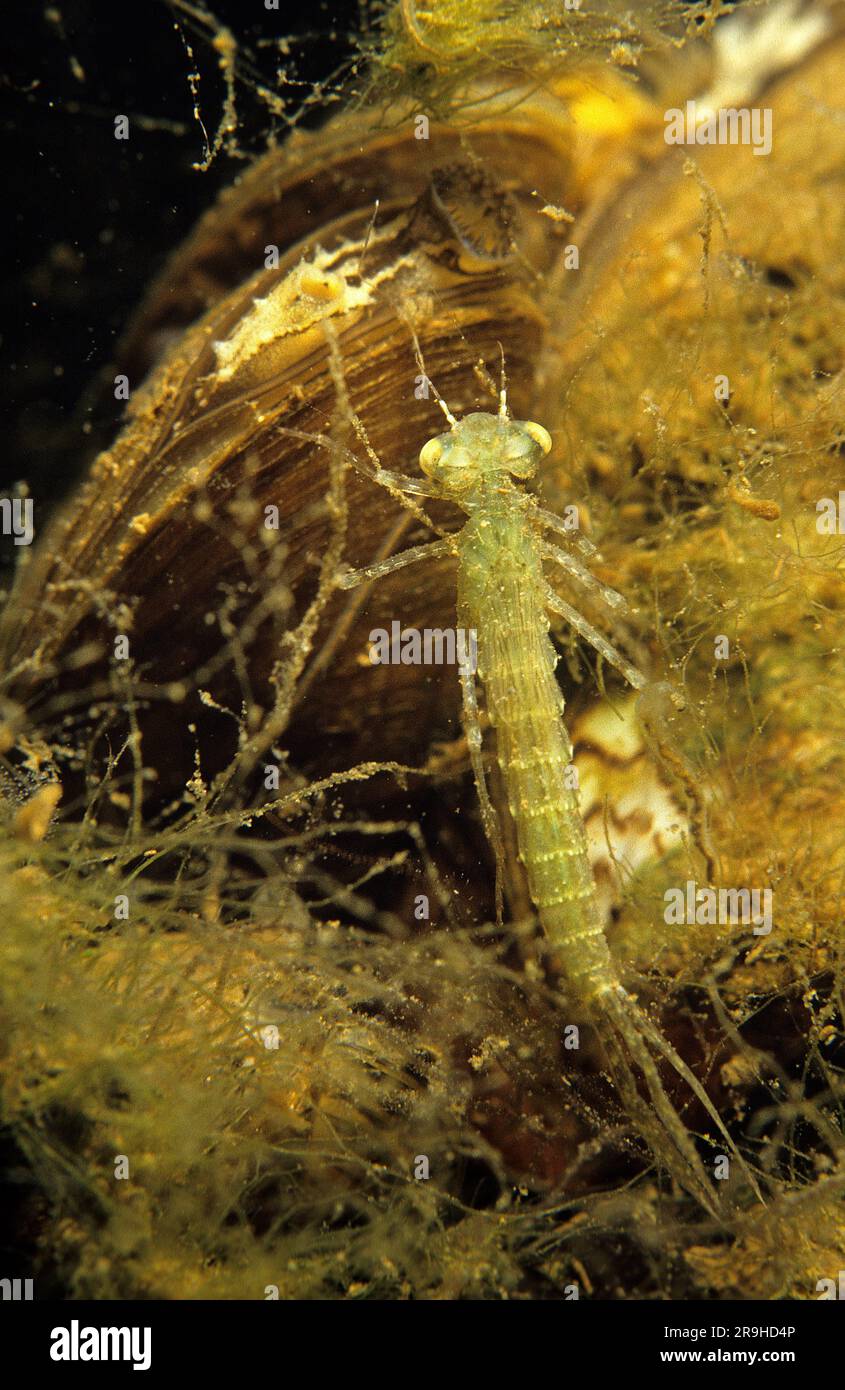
(503, 387)
(421, 364)
(370, 231)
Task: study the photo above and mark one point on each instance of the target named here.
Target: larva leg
(430, 550)
(489, 819)
(401, 483)
(554, 523)
(395, 483)
(601, 645)
(583, 575)
(401, 486)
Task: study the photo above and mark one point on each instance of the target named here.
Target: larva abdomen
(501, 592)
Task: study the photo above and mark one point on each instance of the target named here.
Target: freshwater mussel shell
(449, 231)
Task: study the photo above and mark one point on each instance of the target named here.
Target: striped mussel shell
(297, 297)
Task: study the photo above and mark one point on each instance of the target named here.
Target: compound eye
(538, 434)
(430, 455)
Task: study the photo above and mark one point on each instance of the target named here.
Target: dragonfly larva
(479, 464)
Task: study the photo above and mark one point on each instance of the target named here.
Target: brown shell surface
(375, 230)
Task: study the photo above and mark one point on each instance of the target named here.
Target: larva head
(483, 449)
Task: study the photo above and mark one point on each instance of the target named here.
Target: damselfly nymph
(481, 464)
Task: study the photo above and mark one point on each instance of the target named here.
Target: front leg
(567, 562)
(429, 550)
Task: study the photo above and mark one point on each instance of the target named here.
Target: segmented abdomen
(501, 594)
